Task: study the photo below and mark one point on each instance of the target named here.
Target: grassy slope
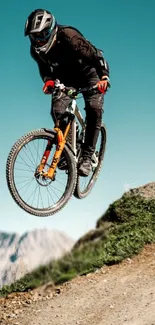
(127, 225)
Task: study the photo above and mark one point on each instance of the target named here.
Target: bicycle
(34, 168)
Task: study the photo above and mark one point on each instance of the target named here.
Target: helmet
(41, 27)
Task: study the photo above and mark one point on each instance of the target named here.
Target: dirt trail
(122, 294)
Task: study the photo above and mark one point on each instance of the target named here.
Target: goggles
(42, 36)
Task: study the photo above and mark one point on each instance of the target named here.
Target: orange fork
(61, 140)
(45, 156)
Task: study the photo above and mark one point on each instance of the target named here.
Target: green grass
(127, 225)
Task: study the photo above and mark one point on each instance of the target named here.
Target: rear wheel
(36, 194)
(85, 184)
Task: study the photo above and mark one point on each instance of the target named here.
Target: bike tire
(81, 194)
(72, 174)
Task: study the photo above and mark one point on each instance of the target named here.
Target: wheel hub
(42, 179)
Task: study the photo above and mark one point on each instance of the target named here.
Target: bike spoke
(27, 184)
(59, 182)
(49, 195)
(37, 151)
(31, 154)
(23, 170)
(26, 154)
(24, 163)
(17, 183)
(41, 198)
(54, 191)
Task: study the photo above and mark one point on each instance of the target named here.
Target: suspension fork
(45, 156)
(61, 140)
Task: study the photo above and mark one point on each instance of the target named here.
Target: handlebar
(72, 92)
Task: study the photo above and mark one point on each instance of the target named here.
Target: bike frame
(74, 110)
(61, 140)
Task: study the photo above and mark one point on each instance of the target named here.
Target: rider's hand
(49, 87)
(103, 84)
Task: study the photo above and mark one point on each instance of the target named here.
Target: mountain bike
(42, 166)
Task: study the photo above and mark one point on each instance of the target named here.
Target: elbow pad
(103, 63)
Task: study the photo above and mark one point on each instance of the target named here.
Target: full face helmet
(41, 27)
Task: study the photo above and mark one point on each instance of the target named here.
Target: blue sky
(125, 31)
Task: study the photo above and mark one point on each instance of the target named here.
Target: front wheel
(85, 184)
(34, 193)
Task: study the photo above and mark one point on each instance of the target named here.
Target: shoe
(85, 167)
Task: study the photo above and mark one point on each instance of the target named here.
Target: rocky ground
(147, 190)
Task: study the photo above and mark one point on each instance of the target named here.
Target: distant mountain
(21, 254)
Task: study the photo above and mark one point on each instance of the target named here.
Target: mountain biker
(63, 53)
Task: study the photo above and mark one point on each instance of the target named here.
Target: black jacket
(70, 59)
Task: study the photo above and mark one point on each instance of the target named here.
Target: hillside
(123, 230)
(113, 267)
(121, 294)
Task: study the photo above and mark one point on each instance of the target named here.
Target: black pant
(93, 107)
